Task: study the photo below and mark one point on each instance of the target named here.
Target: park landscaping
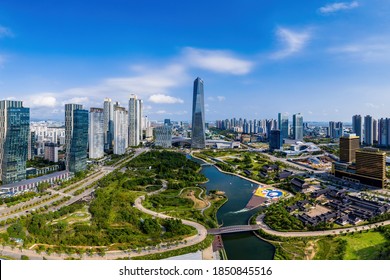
(109, 221)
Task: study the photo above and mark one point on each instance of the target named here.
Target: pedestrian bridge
(233, 229)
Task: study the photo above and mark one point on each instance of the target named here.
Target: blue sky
(327, 60)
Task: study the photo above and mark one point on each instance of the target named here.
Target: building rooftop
(34, 180)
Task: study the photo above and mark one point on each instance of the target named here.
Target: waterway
(238, 246)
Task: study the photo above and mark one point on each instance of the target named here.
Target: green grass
(363, 246)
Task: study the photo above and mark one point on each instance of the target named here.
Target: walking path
(189, 241)
(267, 229)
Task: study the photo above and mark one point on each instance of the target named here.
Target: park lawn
(363, 246)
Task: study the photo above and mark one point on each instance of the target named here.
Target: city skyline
(321, 55)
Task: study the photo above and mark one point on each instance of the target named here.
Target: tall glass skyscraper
(283, 125)
(298, 127)
(368, 131)
(76, 137)
(121, 136)
(108, 123)
(198, 120)
(14, 138)
(357, 126)
(96, 133)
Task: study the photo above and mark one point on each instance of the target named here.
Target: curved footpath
(267, 229)
(192, 240)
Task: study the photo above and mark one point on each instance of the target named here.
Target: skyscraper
(384, 132)
(76, 137)
(14, 138)
(198, 128)
(96, 133)
(368, 131)
(121, 140)
(108, 125)
(298, 127)
(135, 120)
(357, 126)
(349, 144)
(375, 130)
(283, 125)
(335, 129)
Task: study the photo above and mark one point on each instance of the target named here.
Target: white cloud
(221, 98)
(216, 61)
(42, 100)
(369, 50)
(76, 100)
(339, 6)
(293, 42)
(5, 32)
(161, 98)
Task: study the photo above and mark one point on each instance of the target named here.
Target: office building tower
(96, 133)
(51, 152)
(375, 130)
(368, 131)
(108, 124)
(298, 127)
(371, 163)
(335, 129)
(274, 139)
(198, 120)
(31, 145)
(357, 126)
(349, 144)
(135, 120)
(14, 140)
(121, 135)
(163, 136)
(384, 132)
(283, 125)
(76, 137)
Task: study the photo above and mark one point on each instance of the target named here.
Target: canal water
(238, 246)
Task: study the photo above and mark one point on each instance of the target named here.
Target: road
(267, 229)
(105, 170)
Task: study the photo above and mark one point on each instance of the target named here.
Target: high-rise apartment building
(96, 133)
(335, 129)
(76, 137)
(368, 131)
(51, 152)
(384, 132)
(298, 127)
(108, 124)
(198, 120)
(14, 138)
(357, 126)
(121, 140)
(283, 125)
(349, 144)
(135, 120)
(375, 130)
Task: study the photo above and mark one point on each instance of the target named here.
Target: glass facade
(108, 123)
(163, 136)
(14, 140)
(298, 127)
(283, 125)
(198, 120)
(79, 143)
